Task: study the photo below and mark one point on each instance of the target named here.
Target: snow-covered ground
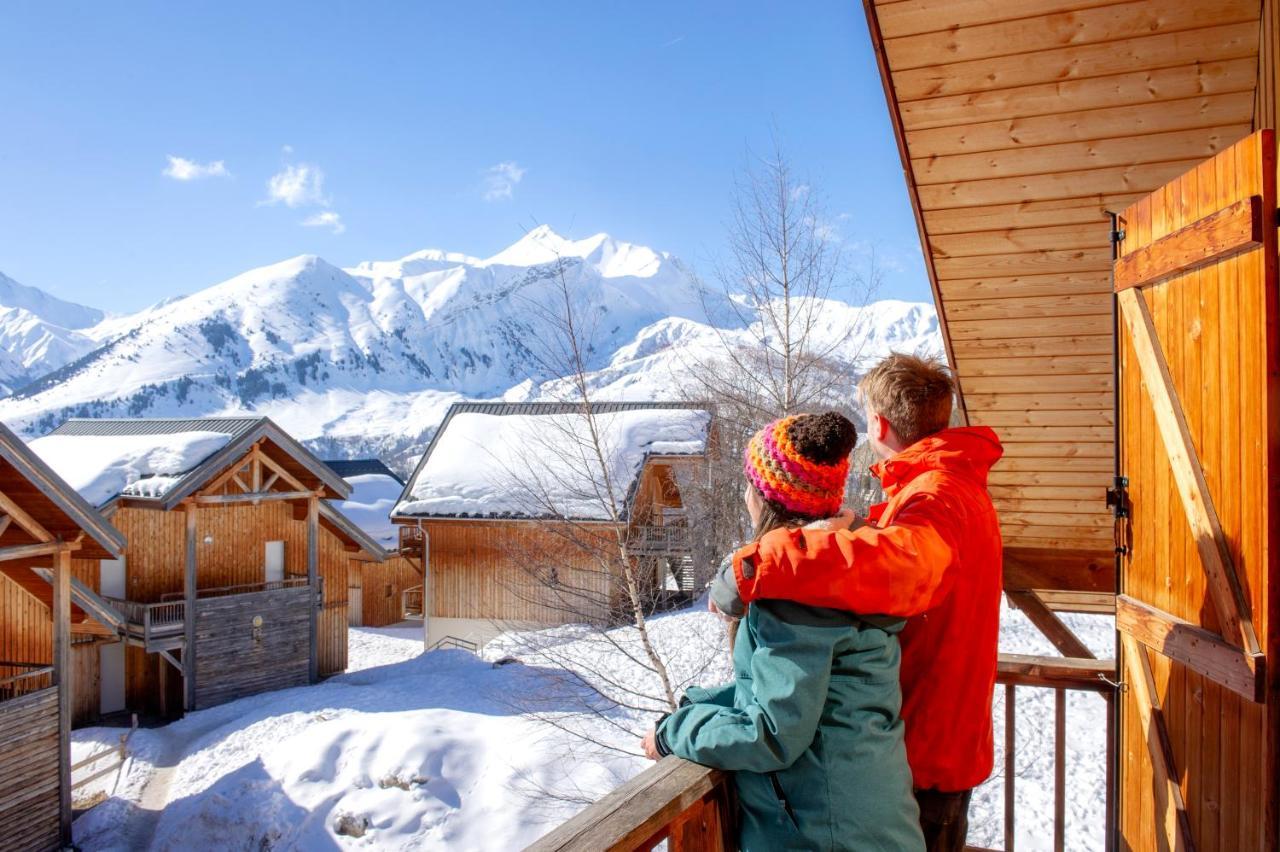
(446, 750)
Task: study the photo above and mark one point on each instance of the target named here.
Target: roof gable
(51, 502)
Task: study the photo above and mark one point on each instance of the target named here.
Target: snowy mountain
(39, 333)
(367, 359)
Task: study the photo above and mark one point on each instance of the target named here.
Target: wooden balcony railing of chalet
(163, 624)
(691, 807)
(23, 679)
(660, 541)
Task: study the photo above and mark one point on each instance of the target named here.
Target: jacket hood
(967, 451)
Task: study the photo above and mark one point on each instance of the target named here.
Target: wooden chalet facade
(1094, 184)
(529, 562)
(386, 590)
(234, 580)
(45, 527)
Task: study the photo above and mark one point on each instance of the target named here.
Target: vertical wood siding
(29, 804)
(498, 570)
(1267, 99)
(382, 586)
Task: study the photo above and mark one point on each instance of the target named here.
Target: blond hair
(913, 394)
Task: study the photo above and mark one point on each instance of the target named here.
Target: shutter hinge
(1118, 502)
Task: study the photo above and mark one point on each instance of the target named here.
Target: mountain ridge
(366, 359)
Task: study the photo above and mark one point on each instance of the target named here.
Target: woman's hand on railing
(649, 745)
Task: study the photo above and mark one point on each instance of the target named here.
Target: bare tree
(777, 353)
(571, 473)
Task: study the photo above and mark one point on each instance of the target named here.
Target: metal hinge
(1118, 502)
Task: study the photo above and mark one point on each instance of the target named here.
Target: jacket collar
(967, 451)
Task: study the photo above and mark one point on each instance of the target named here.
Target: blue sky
(455, 126)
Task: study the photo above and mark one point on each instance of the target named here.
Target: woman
(811, 724)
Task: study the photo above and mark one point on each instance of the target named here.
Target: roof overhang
(1019, 127)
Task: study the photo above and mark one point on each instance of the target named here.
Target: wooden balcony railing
(242, 589)
(660, 541)
(23, 678)
(692, 808)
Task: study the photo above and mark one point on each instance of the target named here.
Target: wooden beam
(1027, 670)
(1193, 646)
(62, 674)
(24, 520)
(1096, 603)
(27, 551)
(240, 482)
(4, 524)
(1229, 231)
(1173, 823)
(1091, 570)
(1048, 623)
(270, 481)
(1229, 600)
(289, 478)
(189, 595)
(313, 550)
(251, 497)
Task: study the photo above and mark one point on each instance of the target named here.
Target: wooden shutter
(1199, 408)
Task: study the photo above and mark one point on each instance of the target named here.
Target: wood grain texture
(30, 810)
(1215, 326)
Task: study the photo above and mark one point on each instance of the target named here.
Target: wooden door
(1200, 413)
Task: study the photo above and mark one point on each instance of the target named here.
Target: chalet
(234, 580)
(1094, 185)
(388, 590)
(45, 529)
(513, 508)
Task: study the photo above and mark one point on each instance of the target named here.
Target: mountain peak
(612, 258)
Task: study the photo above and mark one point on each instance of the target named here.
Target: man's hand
(650, 745)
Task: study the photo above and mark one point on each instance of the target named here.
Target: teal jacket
(812, 729)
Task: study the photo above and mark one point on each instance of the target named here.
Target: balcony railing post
(1059, 769)
(1010, 717)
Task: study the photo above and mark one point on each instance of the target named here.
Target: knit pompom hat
(800, 463)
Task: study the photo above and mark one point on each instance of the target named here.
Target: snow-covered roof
(537, 460)
(164, 459)
(373, 496)
(102, 467)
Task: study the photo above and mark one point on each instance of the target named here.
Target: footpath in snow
(446, 750)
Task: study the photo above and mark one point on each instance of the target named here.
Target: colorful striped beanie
(801, 481)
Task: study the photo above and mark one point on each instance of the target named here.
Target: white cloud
(500, 180)
(325, 219)
(180, 168)
(296, 186)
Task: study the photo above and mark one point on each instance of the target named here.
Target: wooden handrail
(687, 804)
(637, 814)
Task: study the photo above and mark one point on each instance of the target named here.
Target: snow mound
(539, 465)
(102, 467)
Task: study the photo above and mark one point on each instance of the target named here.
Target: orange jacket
(933, 553)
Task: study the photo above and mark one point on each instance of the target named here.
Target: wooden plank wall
(30, 809)
(26, 631)
(383, 583)
(85, 683)
(481, 569)
(1021, 125)
(1217, 329)
(1266, 108)
(235, 659)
